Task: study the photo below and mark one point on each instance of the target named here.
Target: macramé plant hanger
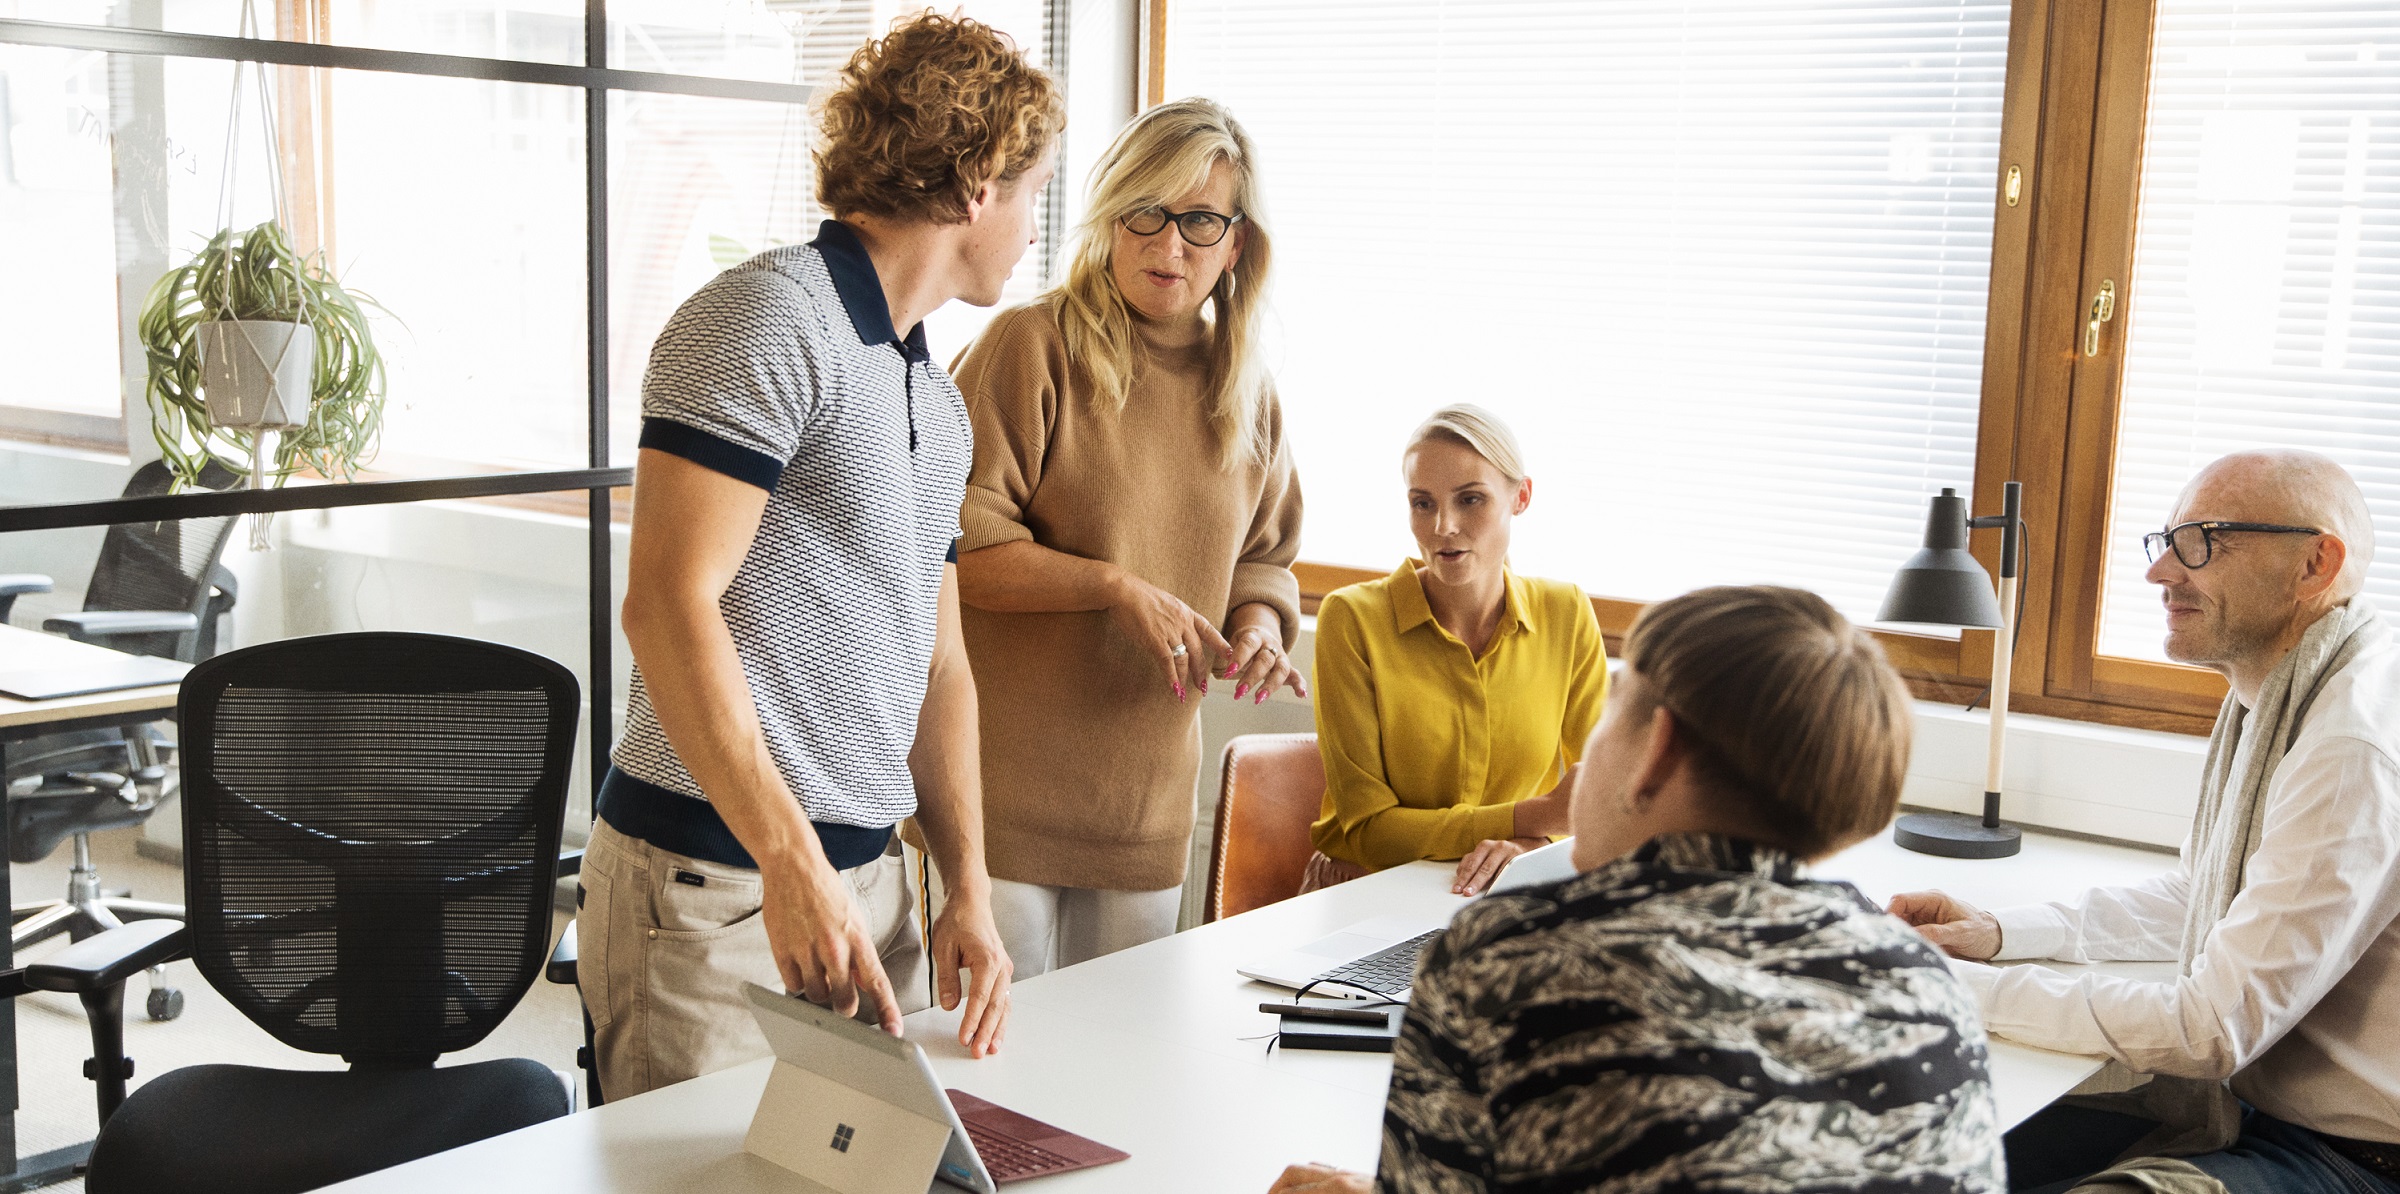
(249, 340)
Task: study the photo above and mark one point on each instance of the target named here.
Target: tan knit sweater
(1088, 758)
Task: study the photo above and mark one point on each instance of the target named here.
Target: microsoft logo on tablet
(841, 1137)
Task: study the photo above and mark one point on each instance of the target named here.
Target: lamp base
(1954, 835)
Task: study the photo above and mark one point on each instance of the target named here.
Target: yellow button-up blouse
(1427, 748)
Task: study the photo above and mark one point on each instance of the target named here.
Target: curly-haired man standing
(792, 597)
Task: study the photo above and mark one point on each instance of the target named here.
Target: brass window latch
(2104, 308)
(2016, 185)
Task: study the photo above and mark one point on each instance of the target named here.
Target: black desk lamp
(1944, 586)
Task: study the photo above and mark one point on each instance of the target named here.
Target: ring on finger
(1180, 651)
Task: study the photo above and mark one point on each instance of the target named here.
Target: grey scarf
(2245, 748)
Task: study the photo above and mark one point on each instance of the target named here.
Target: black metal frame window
(599, 82)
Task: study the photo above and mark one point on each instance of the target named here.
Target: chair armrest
(570, 862)
(561, 969)
(104, 960)
(16, 584)
(94, 624)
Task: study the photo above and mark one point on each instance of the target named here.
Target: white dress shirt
(2295, 994)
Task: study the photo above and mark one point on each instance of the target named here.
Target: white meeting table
(1160, 1051)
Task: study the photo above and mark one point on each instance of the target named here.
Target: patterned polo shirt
(1695, 1017)
(785, 372)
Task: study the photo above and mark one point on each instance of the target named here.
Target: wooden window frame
(2072, 122)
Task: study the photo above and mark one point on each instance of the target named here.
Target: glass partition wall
(519, 192)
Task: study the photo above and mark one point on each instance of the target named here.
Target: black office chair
(158, 589)
(371, 838)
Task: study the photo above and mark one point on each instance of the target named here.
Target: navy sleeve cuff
(712, 452)
(951, 556)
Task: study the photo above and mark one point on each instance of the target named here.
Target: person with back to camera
(2277, 1047)
(1453, 696)
(799, 685)
(1689, 1013)
(1130, 526)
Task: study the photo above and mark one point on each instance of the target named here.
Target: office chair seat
(229, 1129)
(41, 820)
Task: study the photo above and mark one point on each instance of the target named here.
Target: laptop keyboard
(1010, 1158)
(1387, 972)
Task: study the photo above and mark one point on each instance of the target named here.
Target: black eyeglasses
(2195, 542)
(1199, 229)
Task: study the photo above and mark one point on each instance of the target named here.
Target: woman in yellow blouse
(1453, 696)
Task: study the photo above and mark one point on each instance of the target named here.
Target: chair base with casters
(70, 806)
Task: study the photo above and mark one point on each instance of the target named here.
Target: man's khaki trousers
(666, 942)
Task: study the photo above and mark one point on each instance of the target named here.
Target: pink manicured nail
(1262, 697)
(1179, 691)
(1241, 690)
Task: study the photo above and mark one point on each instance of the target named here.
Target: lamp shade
(1942, 585)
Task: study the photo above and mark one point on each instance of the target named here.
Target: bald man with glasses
(2276, 1051)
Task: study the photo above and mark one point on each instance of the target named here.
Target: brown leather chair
(1273, 786)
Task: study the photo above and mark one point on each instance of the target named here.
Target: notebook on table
(105, 675)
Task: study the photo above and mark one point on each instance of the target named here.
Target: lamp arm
(2004, 646)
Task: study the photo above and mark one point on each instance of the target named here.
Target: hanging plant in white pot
(249, 341)
(248, 338)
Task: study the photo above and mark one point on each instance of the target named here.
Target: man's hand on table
(965, 938)
(1322, 1179)
(1961, 929)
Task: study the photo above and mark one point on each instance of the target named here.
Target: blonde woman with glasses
(1129, 528)
(1453, 696)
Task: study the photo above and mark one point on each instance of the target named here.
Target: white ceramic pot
(256, 373)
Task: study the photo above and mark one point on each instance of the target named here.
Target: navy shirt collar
(862, 292)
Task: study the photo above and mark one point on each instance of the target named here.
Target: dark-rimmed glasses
(1199, 229)
(2195, 542)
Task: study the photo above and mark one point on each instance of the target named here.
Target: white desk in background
(1158, 1051)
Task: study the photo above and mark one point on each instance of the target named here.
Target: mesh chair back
(371, 829)
(161, 565)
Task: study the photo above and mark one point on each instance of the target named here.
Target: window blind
(1721, 263)
(2265, 302)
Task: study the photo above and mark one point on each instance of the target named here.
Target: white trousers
(1047, 928)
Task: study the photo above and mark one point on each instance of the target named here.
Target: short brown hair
(1795, 719)
(924, 117)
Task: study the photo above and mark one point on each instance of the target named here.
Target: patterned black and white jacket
(1695, 1017)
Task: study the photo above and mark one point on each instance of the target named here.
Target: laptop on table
(858, 1111)
(1377, 958)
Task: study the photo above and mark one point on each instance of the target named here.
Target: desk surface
(1154, 1050)
(20, 648)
